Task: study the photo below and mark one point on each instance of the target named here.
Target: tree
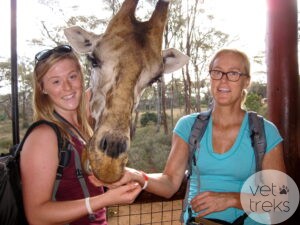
(201, 40)
(253, 102)
(259, 88)
(24, 86)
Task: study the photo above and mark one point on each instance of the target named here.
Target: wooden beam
(283, 80)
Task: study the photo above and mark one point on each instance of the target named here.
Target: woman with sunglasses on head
(59, 97)
(225, 158)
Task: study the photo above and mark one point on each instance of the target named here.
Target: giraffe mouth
(106, 159)
(106, 168)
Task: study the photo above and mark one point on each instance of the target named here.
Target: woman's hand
(208, 202)
(130, 175)
(125, 194)
(95, 181)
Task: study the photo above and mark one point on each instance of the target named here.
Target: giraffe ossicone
(126, 59)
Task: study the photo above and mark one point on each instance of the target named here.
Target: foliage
(253, 102)
(148, 117)
(3, 117)
(149, 149)
(6, 135)
(259, 88)
(255, 98)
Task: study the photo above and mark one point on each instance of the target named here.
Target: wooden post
(283, 80)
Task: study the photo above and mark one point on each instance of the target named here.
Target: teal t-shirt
(225, 172)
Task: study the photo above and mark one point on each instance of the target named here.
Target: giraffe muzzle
(107, 157)
(112, 147)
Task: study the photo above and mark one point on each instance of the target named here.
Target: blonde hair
(245, 61)
(42, 105)
(241, 54)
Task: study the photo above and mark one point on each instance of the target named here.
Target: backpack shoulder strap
(30, 129)
(258, 137)
(197, 132)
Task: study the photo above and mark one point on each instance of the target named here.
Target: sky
(233, 16)
(245, 19)
(30, 13)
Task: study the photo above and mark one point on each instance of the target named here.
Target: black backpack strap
(258, 138)
(63, 154)
(63, 162)
(64, 158)
(197, 132)
(240, 220)
(30, 129)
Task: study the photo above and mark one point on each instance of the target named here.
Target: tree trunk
(134, 124)
(163, 105)
(158, 106)
(172, 103)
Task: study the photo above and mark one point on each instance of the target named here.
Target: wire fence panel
(149, 209)
(152, 213)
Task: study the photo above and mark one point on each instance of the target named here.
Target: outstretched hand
(129, 176)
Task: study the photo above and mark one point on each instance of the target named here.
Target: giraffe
(125, 59)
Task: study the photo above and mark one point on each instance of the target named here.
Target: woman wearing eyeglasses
(59, 97)
(225, 158)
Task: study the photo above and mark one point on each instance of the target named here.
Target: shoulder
(187, 120)
(41, 136)
(184, 125)
(273, 137)
(268, 125)
(43, 129)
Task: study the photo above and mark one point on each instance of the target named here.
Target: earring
(44, 92)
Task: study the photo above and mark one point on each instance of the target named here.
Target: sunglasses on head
(42, 55)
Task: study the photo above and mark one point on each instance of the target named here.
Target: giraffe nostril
(112, 147)
(103, 144)
(121, 146)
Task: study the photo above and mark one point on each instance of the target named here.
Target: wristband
(88, 205)
(146, 178)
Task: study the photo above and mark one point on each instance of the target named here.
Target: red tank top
(70, 189)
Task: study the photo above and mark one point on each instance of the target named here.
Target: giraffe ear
(81, 40)
(173, 60)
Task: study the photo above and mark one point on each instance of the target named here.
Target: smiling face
(227, 92)
(63, 85)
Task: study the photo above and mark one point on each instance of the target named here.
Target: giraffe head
(126, 59)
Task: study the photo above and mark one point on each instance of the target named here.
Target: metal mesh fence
(149, 209)
(156, 213)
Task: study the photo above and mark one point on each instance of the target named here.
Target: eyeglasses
(231, 75)
(42, 55)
